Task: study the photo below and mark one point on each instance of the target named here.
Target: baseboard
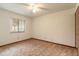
(53, 42)
(36, 39)
(14, 42)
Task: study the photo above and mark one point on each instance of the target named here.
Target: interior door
(77, 27)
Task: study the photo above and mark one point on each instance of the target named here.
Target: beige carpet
(33, 47)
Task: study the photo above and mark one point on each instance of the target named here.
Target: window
(17, 25)
(21, 25)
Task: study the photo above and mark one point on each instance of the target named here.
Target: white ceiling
(24, 8)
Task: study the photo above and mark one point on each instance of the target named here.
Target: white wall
(56, 27)
(5, 36)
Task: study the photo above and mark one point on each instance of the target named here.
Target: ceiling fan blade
(43, 8)
(39, 7)
(23, 4)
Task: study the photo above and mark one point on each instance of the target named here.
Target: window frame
(17, 24)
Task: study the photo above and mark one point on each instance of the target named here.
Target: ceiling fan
(35, 7)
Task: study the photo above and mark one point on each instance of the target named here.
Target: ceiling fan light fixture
(34, 10)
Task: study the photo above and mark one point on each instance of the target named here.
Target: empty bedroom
(39, 29)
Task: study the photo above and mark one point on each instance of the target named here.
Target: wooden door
(77, 27)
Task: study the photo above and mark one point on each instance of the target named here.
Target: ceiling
(44, 8)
